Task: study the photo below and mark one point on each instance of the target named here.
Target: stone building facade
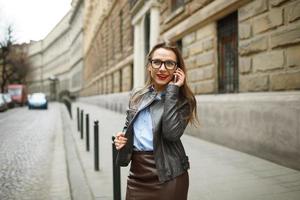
(264, 50)
(242, 59)
(108, 55)
(57, 60)
(242, 64)
(269, 53)
(34, 78)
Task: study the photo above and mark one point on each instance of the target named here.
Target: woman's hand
(120, 140)
(180, 77)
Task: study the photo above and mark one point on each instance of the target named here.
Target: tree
(13, 61)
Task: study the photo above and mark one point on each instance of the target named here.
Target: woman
(156, 119)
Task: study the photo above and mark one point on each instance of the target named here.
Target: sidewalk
(217, 172)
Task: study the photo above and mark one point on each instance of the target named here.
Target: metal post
(69, 104)
(116, 173)
(87, 126)
(81, 125)
(78, 125)
(96, 145)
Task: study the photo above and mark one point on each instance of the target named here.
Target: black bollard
(116, 173)
(87, 126)
(81, 125)
(96, 145)
(70, 109)
(78, 125)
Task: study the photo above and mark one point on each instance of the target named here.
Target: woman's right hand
(120, 140)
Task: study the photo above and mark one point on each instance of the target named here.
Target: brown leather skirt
(143, 183)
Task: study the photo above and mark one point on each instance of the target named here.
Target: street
(216, 173)
(27, 150)
(43, 157)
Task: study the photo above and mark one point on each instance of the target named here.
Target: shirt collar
(159, 95)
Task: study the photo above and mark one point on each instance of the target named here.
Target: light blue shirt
(143, 135)
(142, 127)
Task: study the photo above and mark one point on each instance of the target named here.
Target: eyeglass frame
(163, 62)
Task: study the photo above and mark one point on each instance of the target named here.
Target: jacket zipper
(151, 101)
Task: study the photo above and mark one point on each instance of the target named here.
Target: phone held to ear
(175, 78)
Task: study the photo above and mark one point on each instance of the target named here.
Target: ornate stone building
(108, 48)
(57, 60)
(242, 63)
(229, 46)
(242, 59)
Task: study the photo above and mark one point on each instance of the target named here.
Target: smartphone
(175, 78)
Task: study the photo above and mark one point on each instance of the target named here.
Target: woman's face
(163, 75)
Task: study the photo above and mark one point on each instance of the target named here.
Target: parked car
(8, 100)
(37, 100)
(18, 93)
(3, 104)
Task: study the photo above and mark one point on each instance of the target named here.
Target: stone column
(154, 25)
(139, 55)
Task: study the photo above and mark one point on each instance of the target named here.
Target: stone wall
(58, 55)
(199, 52)
(110, 53)
(264, 124)
(170, 18)
(94, 11)
(268, 42)
(269, 33)
(267, 29)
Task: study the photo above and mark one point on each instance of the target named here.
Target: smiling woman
(31, 19)
(156, 119)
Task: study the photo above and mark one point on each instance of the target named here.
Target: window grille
(228, 54)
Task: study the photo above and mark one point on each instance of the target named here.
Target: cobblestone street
(43, 157)
(29, 140)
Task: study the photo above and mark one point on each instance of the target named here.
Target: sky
(31, 19)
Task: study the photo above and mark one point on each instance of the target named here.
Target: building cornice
(75, 10)
(56, 58)
(138, 14)
(76, 36)
(55, 40)
(56, 26)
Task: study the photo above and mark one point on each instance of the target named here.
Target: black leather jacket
(169, 119)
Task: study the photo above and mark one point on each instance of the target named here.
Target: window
(176, 4)
(132, 35)
(121, 30)
(120, 81)
(179, 45)
(228, 54)
(112, 39)
(131, 77)
(147, 32)
(147, 37)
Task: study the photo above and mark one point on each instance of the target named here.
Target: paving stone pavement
(217, 172)
(32, 159)
(60, 188)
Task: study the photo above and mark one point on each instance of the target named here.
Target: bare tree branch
(13, 61)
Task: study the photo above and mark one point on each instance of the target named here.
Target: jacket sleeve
(123, 155)
(130, 111)
(174, 120)
(126, 120)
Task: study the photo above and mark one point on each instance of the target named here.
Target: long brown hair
(185, 91)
